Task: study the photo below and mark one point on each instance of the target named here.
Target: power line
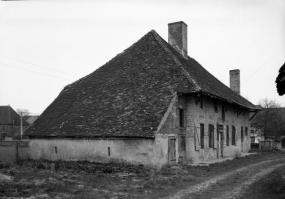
(266, 62)
(38, 65)
(36, 72)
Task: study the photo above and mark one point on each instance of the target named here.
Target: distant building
(151, 104)
(10, 122)
(256, 135)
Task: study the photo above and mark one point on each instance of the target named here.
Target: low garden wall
(11, 151)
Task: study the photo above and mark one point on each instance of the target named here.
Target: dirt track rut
(231, 184)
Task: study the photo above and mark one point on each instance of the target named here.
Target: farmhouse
(151, 104)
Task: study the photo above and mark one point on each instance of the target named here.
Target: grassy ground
(84, 180)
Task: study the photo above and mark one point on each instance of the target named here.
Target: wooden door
(182, 149)
(221, 143)
(221, 140)
(171, 150)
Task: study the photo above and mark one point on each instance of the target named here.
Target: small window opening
(202, 135)
(55, 149)
(241, 134)
(233, 135)
(181, 118)
(228, 136)
(211, 136)
(109, 151)
(223, 112)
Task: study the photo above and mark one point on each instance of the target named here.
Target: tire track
(201, 187)
(238, 191)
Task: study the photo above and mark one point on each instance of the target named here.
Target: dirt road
(232, 184)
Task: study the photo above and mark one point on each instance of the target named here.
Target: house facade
(256, 135)
(204, 129)
(151, 104)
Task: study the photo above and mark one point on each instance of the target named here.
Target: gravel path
(230, 184)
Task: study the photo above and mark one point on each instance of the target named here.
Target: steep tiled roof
(128, 96)
(9, 117)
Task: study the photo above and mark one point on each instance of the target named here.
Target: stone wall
(10, 151)
(196, 114)
(207, 115)
(137, 151)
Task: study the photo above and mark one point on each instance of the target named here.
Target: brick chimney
(235, 80)
(177, 37)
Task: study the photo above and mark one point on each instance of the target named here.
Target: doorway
(221, 140)
(171, 150)
(181, 149)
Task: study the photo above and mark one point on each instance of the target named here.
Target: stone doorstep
(222, 159)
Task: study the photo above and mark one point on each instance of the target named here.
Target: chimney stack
(177, 37)
(235, 80)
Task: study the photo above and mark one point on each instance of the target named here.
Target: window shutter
(197, 137)
(236, 134)
(215, 138)
(224, 136)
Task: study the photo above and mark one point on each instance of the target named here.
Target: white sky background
(40, 38)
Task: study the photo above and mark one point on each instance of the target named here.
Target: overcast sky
(45, 45)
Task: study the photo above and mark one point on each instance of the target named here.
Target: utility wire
(36, 72)
(38, 65)
(266, 62)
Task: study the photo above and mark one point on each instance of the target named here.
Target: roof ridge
(160, 42)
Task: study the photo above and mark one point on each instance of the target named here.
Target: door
(181, 149)
(171, 150)
(221, 141)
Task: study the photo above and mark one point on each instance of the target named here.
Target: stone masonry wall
(207, 115)
(195, 115)
(137, 151)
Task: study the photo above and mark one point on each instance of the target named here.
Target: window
(233, 135)
(181, 118)
(211, 136)
(241, 134)
(228, 136)
(202, 135)
(223, 112)
(246, 134)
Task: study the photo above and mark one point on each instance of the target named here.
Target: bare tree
(271, 120)
(23, 112)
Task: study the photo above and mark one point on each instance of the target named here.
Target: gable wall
(168, 128)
